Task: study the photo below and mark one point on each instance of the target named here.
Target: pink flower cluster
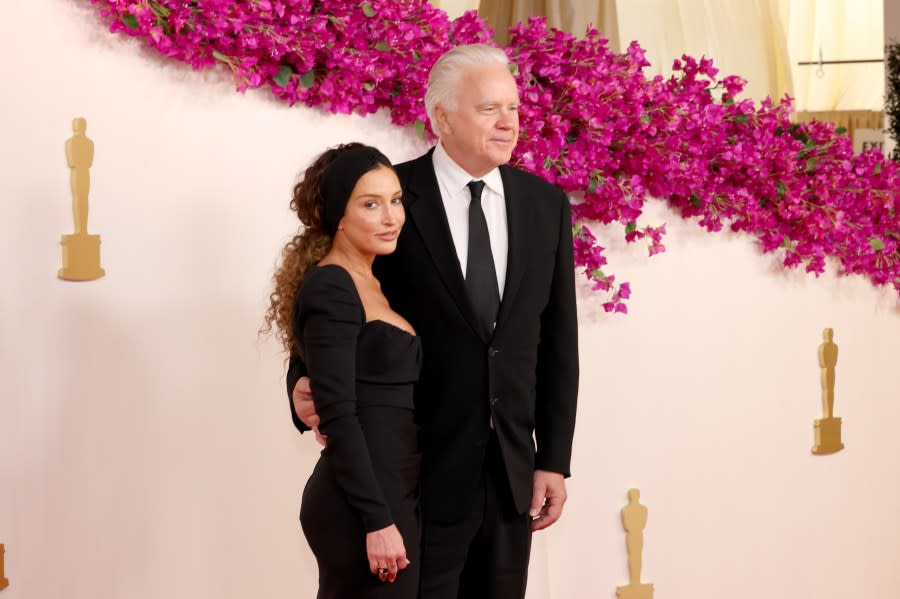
(340, 55)
(592, 122)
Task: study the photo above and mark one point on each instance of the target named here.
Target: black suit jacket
(524, 378)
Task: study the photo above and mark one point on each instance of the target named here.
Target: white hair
(443, 80)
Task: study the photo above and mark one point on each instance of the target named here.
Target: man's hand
(306, 409)
(548, 499)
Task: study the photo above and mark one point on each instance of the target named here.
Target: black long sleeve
(327, 323)
(557, 367)
(296, 370)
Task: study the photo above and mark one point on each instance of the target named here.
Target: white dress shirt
(452, 181)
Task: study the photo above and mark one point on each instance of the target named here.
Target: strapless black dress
(362, 375)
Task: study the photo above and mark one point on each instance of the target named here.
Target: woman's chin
(386, 248)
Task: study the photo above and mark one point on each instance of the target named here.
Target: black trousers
(485, 555)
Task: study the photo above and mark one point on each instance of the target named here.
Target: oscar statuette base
(80, 257)
(828, 436)
(635, 591)
(4, 581)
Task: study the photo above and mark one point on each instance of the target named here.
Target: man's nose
(507, 120)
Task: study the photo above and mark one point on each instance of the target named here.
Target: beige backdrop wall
(145, 444)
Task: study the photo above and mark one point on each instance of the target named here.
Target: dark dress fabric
(362, 376)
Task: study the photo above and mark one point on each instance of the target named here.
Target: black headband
(340, 178)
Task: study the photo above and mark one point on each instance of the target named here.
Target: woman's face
(374, 214)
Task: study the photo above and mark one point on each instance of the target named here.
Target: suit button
(494, 400)
(493, 352)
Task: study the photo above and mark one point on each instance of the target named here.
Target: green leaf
(811, 164)
(383, 46)
(368, 86)
(548, 162)
(782, 189)
(598, 274)
(741, 119)
(570, 138)
(728, 101)
(368, 10)
(797, 133)
(593, 184)
(308, 78)
(283, 75)
(159, 10)
(513, 69)
(130, 20)
(786, 242)
(630, 227)
(841, 130)
(221, 57)
(695, 201)
(876, 244)
(420, 128)
(877, 170)
(416, 56)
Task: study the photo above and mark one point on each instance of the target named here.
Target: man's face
(482, 132)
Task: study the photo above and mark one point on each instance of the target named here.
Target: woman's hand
(306, 409)
(387, 555)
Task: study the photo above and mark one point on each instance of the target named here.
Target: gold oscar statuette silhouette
(80, 251)
(828, 429)
(634, 520)
(3, 580)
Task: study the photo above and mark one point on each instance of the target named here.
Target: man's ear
(443, 124)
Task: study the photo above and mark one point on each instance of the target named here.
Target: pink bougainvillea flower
(592, 123)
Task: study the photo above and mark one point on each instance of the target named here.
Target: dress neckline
(366, 321)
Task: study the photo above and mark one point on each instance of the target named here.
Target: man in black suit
(484, 272)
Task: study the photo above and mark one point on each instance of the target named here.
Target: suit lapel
(516, 223)
(426, 210)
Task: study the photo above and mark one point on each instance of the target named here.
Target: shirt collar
(456, 178)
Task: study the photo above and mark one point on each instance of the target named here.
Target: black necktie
(481, 276)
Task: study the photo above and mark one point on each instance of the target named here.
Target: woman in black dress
(359, 509)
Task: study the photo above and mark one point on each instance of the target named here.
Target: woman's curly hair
(301, 252)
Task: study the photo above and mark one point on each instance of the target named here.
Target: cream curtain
(455, 8)
(760, 40)
(843, 30)
(574, 16)
(743, 38)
